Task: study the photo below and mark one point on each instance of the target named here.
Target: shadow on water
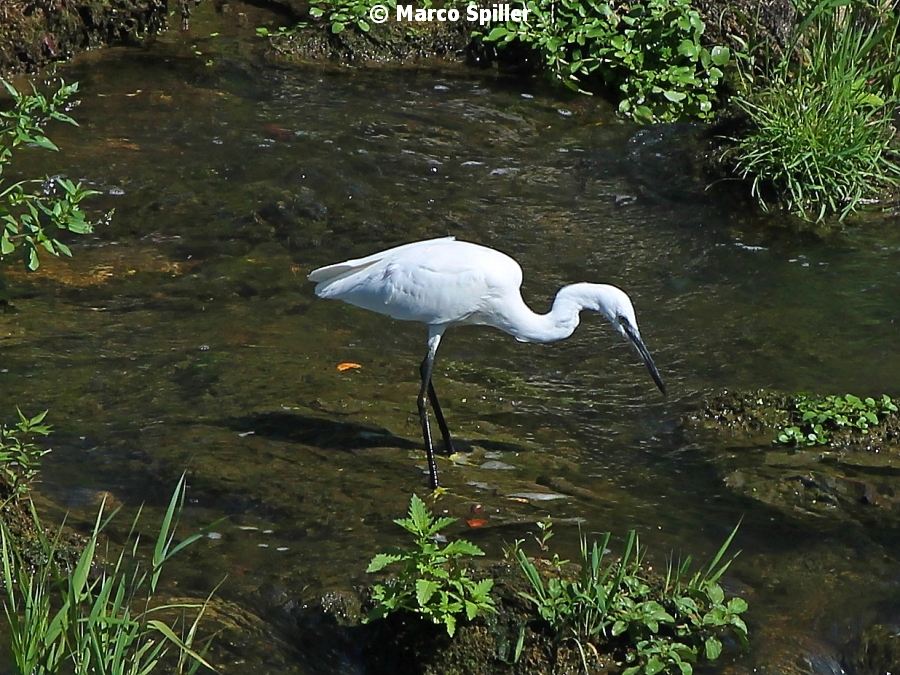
(328, 434)
(318, 432)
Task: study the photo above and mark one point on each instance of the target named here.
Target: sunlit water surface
(185, 336)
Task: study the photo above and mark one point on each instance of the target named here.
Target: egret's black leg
(438, 413)
(434, 340)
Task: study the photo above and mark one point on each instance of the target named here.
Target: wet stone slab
(856, 476)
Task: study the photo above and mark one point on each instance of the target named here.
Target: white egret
(444, 282)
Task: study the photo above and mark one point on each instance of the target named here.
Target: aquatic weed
(96, 617)
(433, 581)
(651, 624)
(817, 418)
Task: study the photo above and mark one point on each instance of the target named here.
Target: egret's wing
(338, 270)
(440, 281)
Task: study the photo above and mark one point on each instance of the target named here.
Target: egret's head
(616, 306)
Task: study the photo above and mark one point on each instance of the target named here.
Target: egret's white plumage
(444, 282)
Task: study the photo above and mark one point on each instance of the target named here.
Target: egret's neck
(557, 324)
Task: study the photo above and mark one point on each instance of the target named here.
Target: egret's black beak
(645, 355)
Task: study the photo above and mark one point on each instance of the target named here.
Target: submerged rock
(855, 476)
(875, 652)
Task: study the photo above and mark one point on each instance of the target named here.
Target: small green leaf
(737, 605)
(689, 49)
(382, 560)
(425, 589)
(654, 666)
(720, 55)
(715, 594)
(462, 547)
(712, 648)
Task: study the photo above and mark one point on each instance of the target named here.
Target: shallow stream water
(184, 335)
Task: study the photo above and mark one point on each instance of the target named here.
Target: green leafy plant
(652, 624)
(35, 213)
(650, 52)
(432, 579)
(19, 455)
(817, 418)
(820, 118)
(338, 15)
(96, 617)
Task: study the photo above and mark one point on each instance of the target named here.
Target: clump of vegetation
(342, 13)
(821, 133)
(90, 616)
(433, 580)
(97, 617)
(649, 52)
(19, 455)
(339, 15)
(652, 625)
(816, 419)
(34, 213)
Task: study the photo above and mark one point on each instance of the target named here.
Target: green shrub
(34, 213)
(816, 419)
(97, 617)
(649, 52)
(432, 581)
(661, 624)
(19, 456)
(820, 119)
(338, 15)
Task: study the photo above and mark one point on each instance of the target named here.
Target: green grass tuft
(821, 133)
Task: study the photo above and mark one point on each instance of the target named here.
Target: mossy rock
(770, 22)
(741, 413)
(855, 477)
(36, 32)
(26, 535)
(387, 43)
(875, 652)
(758, 416)
(406, 644)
